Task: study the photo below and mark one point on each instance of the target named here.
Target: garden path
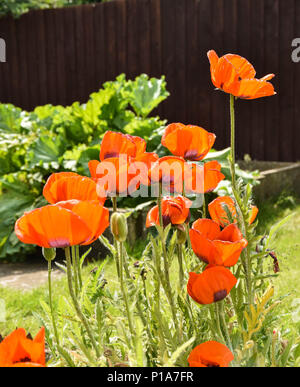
(24, 276)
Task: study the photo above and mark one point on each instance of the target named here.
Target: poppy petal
(218, 210)
(254, 88)
(204, 248)
(52, 226)
(188, 141)
(152, 217)
(213, 285)
(114, 144)
(210, 354)
(71, 187)
(253, 215)
(92, 213)
(244, 69)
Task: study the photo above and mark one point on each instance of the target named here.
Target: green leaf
(146, 94)
(46, 150)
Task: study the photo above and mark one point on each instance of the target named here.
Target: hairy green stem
(80, 315)
(75, 271)
(224, 325)
(77, 254)
(51, 303)
(180, 264)
(124, 291)
(245, 256)
(204, 207)
(62, 352)
(166, 284)
(218, 323)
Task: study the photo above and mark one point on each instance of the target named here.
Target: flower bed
(218, 310)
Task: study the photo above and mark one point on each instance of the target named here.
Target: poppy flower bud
(49, 254)
(118, 226)
(181, 236)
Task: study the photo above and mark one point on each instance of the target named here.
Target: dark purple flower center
(220, 295)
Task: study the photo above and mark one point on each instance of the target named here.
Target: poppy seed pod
(49, 254)
(118, 226)
(181, 236)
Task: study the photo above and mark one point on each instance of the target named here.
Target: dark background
(61, 56)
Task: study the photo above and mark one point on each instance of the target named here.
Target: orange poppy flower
(210, 354)
(117, 176)
(174, 210)
(213, 285)
(68, 185)
(202, 178)
(169, 171)
(92, 213)
(58, 226)
(188, 141)
(218, 211)
(214, 246)
(114, 144)
(235, 75)
(130, 171)
(17, 350)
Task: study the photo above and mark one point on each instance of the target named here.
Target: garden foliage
(57, 138)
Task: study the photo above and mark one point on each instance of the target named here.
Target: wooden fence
(61, 56)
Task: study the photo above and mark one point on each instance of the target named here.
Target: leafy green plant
(57, 138)
(16, 8)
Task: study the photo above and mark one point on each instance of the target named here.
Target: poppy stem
(218, 324)
(204, 207)
(51, 302)
(75, 270)
(180, 264)
(246, 259)
(167, 286)
(232, 142)
(159, 203)
(77, 252)
(56, 335)
(114, 202)
(224, 324)
(124, 293)
(80, 315)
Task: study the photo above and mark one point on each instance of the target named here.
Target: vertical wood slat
(133, 39)
(88, 36)
(286, 81)
(219, 101)
(180, 61)
(51, 58)
(168, 56)
(111, 40)
(41, 56)
(156, 45)
(243, 108)
(70, 67)
(256, 147)
(99, 47)
(61, 56)
(271, 64)
(192, 75)
(121, 25)
(144, 37)
(204, 92)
